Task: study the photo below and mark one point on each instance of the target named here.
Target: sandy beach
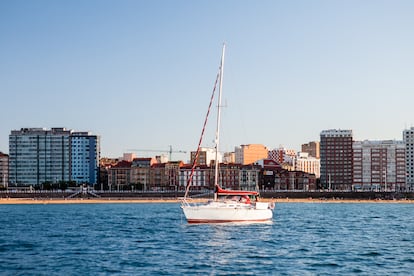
(156, 200)
(82, 201)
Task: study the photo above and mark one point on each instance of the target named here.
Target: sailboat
(228, 206)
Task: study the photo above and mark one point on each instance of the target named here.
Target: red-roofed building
(157, 177)
(140, 172)
(201, 179)
(119, 175)
(231, 176)
(274, 177)
(249, 176)
(172, 171)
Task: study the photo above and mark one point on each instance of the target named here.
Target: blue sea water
(154, 239)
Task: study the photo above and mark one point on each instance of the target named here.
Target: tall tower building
(38, 155)
(408, 137)
(336, 159)
(85, 153)
(379, 165)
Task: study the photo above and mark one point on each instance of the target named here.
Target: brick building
(336, 159)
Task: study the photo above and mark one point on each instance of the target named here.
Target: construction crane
(170, 151)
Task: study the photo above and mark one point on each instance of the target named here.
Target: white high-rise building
(38, 156)
(379, 165)
(309, 164)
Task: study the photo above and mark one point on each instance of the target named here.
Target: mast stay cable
(190, 178)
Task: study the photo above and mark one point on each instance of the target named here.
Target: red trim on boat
(224, 221)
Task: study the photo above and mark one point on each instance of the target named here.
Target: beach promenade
(86, 196)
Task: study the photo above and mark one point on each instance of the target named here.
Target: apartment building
(4, 170)
(379, 165)
(231, 176)
(408, 137)
(39, 155)
(206, 156)
(158, 177)
(313, 148)
(140, 172)
(229, 157)
(248, 154)
(119, 176)
(274, 177)
(285, 157)
(336, 159)
(172, 171)
(201, 179)
(294, 181)
(249, 177)
(306, 163)
(85, 152)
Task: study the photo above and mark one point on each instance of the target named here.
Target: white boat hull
(224, 212)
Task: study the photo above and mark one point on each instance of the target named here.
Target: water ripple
(154, 239)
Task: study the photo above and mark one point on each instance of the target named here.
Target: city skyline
(167, 153)
(140, 74)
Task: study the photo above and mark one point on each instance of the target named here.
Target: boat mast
(216, 169)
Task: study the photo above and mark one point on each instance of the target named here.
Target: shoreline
(159, 200)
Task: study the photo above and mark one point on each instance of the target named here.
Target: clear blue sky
(140, 73)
